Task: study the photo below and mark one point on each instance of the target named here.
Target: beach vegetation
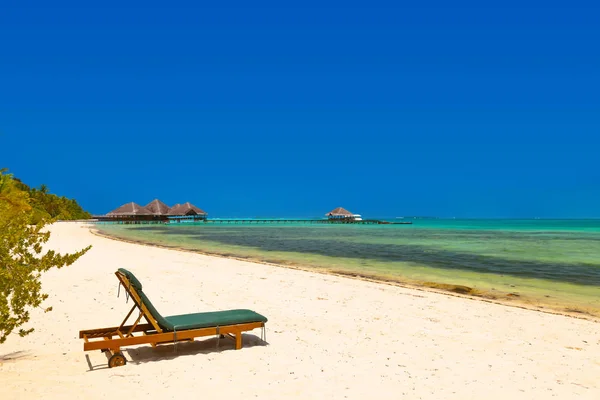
(22, 255)
(47, 205)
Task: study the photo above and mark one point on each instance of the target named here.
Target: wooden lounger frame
(112, 339)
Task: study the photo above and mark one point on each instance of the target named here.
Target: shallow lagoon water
(553, 264)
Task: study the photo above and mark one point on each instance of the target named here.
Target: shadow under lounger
(159, 329)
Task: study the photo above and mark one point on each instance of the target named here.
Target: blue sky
(270, 110)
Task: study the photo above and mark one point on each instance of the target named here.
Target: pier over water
(251, 221)
(302, 221)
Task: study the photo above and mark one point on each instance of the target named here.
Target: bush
(22, 259)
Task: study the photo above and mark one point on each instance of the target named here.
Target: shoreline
(430, 287)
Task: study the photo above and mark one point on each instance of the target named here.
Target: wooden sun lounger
(165, 330)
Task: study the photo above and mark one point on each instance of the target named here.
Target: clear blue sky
(260, 109)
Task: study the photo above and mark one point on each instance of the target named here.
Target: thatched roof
(157, 207)
(186, 209)
(130, 209)
(339, 212)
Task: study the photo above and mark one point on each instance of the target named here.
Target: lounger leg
(238, 340)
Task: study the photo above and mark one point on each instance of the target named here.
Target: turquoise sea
(548, 263)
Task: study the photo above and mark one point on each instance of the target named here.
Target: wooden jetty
(303, 221)
(101, 221)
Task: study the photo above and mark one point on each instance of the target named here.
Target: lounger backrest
(137, 286)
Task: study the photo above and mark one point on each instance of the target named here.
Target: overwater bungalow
(130, 212)
(154, 212)
(342, 215)
(157, 207)
(186, 212)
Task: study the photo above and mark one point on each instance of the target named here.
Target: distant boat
(357, 217)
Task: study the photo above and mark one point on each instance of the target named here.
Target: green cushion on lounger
(214, 318)
(134, 281)
(197, 320)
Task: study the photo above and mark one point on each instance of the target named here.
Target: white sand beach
(328, 336)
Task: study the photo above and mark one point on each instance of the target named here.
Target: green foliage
(48, 205)
(22, 257)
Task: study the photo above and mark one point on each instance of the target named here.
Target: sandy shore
(328, 336)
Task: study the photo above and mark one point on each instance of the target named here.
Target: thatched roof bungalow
(157, 207)
(186, 209)
(129, 210)
(154, 212)
(339, 212)
(342, 214)
(186, 212)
